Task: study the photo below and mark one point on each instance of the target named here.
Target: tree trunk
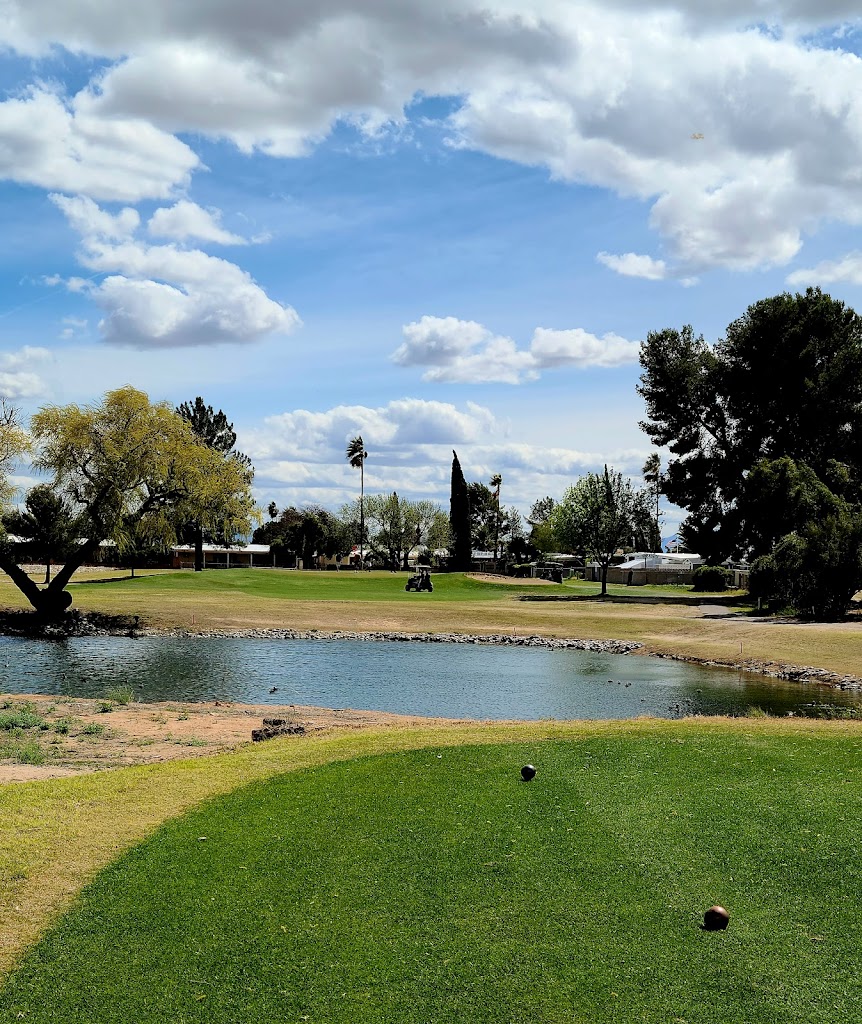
(48, 572)
(604, 578)
(22, 581)
(362, 514)
(199, 548)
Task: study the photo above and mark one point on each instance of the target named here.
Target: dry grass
(57, 834)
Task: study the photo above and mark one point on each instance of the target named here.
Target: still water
(451, 680)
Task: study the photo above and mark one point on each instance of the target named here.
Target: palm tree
(356, 456)
(496, 480)
(653, 478)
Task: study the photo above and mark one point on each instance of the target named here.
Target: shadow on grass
(691, 599)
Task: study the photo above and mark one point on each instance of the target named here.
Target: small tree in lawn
(46, 525)
(598, 514)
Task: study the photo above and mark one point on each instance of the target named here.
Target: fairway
(434, 885)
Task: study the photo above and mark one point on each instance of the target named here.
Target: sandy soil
(515, 581)
(142, 733)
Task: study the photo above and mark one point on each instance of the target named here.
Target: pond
(450, 680)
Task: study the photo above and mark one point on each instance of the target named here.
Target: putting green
(436, 885)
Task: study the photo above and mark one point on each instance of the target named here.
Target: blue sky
(439, 225)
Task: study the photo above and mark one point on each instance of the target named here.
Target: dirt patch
(81, 737)
(513, 581)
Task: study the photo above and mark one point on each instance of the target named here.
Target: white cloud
(743, 139)
(91, 221)
(580, 348)
(632, 264)
(463, 351)
(164, 296)
(846, 270)
(47, 142)
(299, 455)
(436, 341)
(18, 379)
(323, 436)
(186, 220)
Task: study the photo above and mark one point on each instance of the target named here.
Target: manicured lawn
(433, 885)
(292, 585)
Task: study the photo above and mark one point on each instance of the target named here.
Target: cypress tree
(459, 519)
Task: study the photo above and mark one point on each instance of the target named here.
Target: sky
(440, 225)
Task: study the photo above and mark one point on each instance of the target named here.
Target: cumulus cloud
(752, 142)
(299, 455)
(632, 264)
(165, 296)
(463, 351)
(186, 220)
(18, 377)
(53, 144)
(323, 436)
(847, 270)
(91, 221)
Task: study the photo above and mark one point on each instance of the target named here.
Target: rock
(273, 727)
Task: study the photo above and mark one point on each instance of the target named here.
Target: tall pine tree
(459, 519)
(214, 430)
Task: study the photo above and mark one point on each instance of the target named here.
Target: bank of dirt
(136, 733)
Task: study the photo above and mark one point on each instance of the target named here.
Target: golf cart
(421, 580)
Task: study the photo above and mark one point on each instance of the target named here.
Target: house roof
(250, 549)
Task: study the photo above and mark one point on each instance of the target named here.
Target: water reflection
(451, 680)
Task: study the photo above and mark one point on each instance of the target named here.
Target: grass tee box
(435, 885)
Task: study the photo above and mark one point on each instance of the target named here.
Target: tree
(14, 444)
(272, 511)
(542, 537)
(483, 515)
(130, 469)
(786, 381)
(213, 429)
(303, 533)
(654, 479)
(496, 481)
(46, 525)
(598, 514)
(459, 519)
(397, 525)
(812, 534)
(356, 456)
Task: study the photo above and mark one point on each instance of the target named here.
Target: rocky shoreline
(498, 639)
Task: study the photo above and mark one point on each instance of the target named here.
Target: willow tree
(131, 471)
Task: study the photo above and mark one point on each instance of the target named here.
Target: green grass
(424, 888)
(351, 586)
(120, 694)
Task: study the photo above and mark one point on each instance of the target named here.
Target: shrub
(23, 718)
(120, 694)
(711, 577)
